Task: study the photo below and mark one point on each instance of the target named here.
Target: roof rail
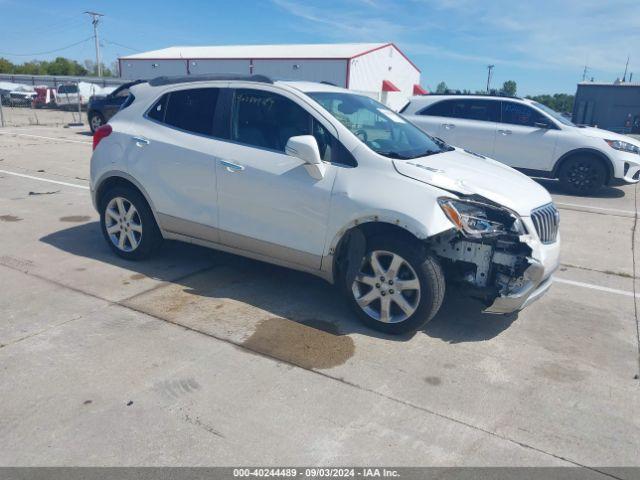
(470, 94)
(170, 80)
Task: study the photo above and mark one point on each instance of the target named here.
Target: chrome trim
(546, 220)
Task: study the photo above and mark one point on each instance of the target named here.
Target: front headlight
(476, 220)
(623, 146)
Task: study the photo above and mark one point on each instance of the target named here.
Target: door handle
(448, 126)
(505, 132)
(140, 141)
(231, 167)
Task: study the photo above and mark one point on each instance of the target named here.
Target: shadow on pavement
(554, 186)
(283, 293)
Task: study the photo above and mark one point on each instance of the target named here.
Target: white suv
(530, 137)
(323, 180)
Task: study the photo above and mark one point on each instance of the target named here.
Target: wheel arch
(112, 179)
(351, 241)
(581, 152)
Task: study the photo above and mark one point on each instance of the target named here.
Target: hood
(467, 173)
(605, 135)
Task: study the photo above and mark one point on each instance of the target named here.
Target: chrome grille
(546, 219)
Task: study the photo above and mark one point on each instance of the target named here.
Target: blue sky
(542, 45)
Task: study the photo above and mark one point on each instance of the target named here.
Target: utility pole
(489, 75)
(95, 19)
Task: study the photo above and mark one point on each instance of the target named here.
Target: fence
(20, 108)
(55, 80)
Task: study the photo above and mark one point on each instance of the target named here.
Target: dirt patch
(314, 345)
(9, 218)
(559, 372)
(434, 381)
(75, 218)
(137, 276)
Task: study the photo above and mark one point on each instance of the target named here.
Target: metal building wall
(367, 72)
(313, 70)
(611, 107)
(205, 65)
(146, 69)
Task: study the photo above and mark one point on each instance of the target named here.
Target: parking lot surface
(202, 358)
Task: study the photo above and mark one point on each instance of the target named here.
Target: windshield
(382, 130)
(552, 113)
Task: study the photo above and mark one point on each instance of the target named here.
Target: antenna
(95, 19)
(584, 73)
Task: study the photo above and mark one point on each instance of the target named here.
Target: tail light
(102, 132)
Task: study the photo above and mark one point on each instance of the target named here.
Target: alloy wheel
(123, 224)
(583, 176)
(387, 287)
(96, 122)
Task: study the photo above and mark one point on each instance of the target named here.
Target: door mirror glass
(305, 147)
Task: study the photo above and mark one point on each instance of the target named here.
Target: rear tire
(127, 223)
(583, 175)
(398, 287)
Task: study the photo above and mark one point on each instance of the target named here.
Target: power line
(120, 45)
(48, 51)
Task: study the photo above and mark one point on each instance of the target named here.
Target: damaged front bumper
(535, 285)
(506, 273)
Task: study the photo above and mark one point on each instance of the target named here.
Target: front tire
(583, 175)
(127, 223)
(398, 286)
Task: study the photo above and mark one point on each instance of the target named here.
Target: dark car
(102, 108)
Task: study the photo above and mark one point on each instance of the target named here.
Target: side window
(192, 110)
(331, 149)
(121, 93)
(440, 109)
(267, 120)
(518, 114)
(484, 110)
(157, 111)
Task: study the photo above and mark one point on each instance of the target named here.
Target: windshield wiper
(395, 155)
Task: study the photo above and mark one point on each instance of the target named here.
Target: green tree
(560, 102)
(442, 88)
(509, 88)
(6, 66)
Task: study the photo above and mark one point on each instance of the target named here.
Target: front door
(269, 204)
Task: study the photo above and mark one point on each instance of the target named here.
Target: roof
(608, 84)
(316, 51)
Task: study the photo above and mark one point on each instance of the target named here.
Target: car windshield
(382, 130)
(555, 115)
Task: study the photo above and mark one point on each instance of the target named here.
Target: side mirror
(305, 147)
(543, 125)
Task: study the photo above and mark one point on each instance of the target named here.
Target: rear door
(522, 144)
(173, 157)
(465, 122)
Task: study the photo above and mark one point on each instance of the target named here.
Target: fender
(585, 151)
(125, 176)
(408, 224)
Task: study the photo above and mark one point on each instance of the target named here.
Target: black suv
(101, 109)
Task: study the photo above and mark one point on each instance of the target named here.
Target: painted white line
(594, 208)
(46, 138)
(596, 287)
(45, 180)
